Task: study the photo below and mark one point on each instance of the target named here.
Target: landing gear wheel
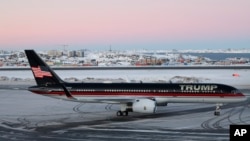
(119, 113)
(125, 113)
(216, 113)
(122, 113)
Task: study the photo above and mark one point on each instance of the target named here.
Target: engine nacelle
(144, 106)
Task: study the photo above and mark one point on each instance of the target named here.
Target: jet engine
(144, 106)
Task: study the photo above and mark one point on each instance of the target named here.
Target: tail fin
(43, 74)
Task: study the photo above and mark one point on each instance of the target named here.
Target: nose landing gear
(217, 109)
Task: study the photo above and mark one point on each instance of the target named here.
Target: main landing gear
(217, 109)
(122, 113)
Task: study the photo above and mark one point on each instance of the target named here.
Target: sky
(124, 24)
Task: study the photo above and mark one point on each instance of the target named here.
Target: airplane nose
(242, 96)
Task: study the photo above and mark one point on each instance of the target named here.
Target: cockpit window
(235, 91)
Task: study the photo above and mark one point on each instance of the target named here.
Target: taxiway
(27, 116)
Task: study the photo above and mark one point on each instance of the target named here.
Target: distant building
(80, 53)
(56, 53)
(72, 53)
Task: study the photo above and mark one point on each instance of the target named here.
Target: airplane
(132, 97)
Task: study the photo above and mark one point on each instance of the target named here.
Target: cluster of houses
(114, 58)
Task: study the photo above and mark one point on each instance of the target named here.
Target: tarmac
(28, 116)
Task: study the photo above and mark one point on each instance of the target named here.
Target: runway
(27, 116)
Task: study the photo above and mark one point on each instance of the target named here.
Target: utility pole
(64, 46)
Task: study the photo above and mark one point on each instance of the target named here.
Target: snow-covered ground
(26, 116)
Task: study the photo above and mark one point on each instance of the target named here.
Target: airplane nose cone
(242, 96)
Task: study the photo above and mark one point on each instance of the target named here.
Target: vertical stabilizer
(43, 74)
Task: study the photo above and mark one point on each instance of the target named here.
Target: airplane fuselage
(161, 93)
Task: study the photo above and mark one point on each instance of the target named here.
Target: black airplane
(133, 97)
